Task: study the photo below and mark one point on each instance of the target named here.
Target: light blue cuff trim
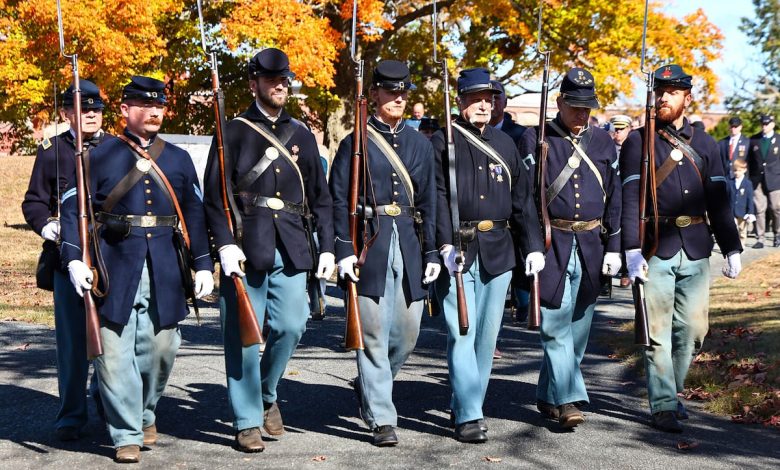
(717, 178)
(71, 244)
(69, 193)
(630, 179)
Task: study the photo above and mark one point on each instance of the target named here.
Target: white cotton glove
(637, 265)
(432, 271)
(229, 257)
(51, 231)
(534, 263)
(80, 276)
(204, 283)
(612, 264)
(733, 266)
(749, 218)
(447, 253)
(347, 268)
(326, 266)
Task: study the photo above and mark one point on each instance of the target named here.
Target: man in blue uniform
(140, 315)
(275, 180)
(692, 202)
(494, 194)
(733, 147)
(398, 267)
(764, 171)
(54, 166)
(583, 203)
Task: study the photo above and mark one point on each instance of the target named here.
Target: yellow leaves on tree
(309, 41)
(371, 17)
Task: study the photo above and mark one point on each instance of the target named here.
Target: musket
(534, 302)
(248, 326)
(94, 343)
(353, 339)
(641, 331)
(457, 242)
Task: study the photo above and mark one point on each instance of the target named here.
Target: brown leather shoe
(570, 416)
(128, 454)
(272, 420)
(250, 440)
(548, 410)
(150, 435)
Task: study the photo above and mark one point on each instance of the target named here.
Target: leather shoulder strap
(132, 177)
(395, 161)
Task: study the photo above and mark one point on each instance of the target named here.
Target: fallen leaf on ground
(319, 458)
(22, 347)
(687, 444)
(488, 458)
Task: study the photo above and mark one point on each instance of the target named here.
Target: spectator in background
(428, 126)
(418, 111)
(734, 147)
(742, 198)
(764, 167)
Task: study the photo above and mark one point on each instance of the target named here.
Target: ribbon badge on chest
(294, 153)
(496, 172)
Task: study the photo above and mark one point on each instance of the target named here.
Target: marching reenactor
(139, 205)
(276, 182)
(764, 168)
(583, 203)
(51, 174)
(494, 194)
(392, 283)
(692, 202)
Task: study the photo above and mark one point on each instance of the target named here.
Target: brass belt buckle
(393, 210)
(148, 221)
(682, 221)
(275, 203)
(579, 226)
(485, 225)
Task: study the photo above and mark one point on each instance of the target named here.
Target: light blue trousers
(280, 291)
(70, 331)
(564, 334)
(134, 368)
(677, 296)
(390, 330)
(470, 357)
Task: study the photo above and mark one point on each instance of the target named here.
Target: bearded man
(692, 202)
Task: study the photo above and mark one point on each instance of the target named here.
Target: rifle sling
(486, 149)
(132, 177)
(395, 161)
(159, 177)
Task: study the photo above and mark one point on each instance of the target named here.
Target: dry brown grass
(19, 249)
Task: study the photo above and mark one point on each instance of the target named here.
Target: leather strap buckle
(682, 221)
(393, 210)
(275, 203)
(485, 225)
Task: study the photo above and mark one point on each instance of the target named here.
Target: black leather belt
(273, 203)
(680, 221)
(391, 210)
(575, 225)
(144, 221)
(485, 225)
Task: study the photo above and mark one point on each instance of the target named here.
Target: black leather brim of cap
(591, 103)
(287, 74)
(478, 88)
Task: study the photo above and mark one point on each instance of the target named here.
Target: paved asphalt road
(320, 413)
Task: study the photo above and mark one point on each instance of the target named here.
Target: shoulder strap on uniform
(277, 143)
(681, 144)
(395, 161)
(485, 148)
(132, 177)
(579, 154)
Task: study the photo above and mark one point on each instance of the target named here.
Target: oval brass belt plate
(393, 210)
(275, 203)
(485, 225)
(682, 221)
(579, 226)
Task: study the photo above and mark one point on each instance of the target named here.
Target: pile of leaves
(747, 388)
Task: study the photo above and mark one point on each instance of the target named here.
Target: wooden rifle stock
(463, 310)
(353, 338)
(535, 301)
(249, 327)
(94, 343)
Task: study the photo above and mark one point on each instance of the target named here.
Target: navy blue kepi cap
(90, 96)
(672, 75)
(578, 89)
(474, 80)
(145, 89)
(392, 75)
(767, 118)
(270, 62)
